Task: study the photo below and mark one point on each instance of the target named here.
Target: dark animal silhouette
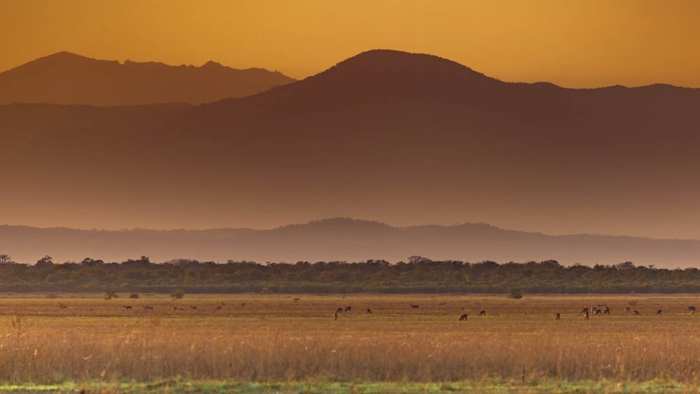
(587, 314)
(628, 309)
(585, 310)
(369, 310)
(482, 313)
(557, 316)
(348, 308)
(606, 310)
(659, 311)
(194, 307)
(463, 317)
(414, 306)
(128, 307)
(636, 312)
(691, 309)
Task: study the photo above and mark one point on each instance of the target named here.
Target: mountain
(67, 78)
(405, 138)
(344, 239)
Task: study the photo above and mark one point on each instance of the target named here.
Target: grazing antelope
(414, 306)
(348, 308)
(691, 309)
(482, 313)
(636, 312)
(587, 314)
(585, 310)
(606, 310)
(369, 311)
(557, 316)
(463, 317)
(128, 307)
(659, 311)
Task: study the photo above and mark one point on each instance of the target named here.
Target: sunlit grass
(271, 338)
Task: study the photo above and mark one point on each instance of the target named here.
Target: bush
(516, 294)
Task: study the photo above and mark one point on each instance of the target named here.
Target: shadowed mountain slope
(66, 78)
(401, 137)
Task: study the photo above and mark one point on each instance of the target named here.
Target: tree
(46, 261)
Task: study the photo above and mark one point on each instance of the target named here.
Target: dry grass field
(295, 338)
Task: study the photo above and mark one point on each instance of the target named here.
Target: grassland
(292, 343)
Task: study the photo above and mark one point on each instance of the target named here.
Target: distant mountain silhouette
(405, 137)
(344, 239)
(66, 78)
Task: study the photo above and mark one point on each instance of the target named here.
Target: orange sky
(573, 43)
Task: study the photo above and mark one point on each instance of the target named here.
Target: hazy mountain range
(67, 78)
(400, 137)
(343, 239)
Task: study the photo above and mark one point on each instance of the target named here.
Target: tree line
(417, 274)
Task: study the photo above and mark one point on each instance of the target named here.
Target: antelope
(659, 312)
(128, 307)
(463, 317)
(557, 316)
(636, 312)
(369, 310)
(414, 306)
(482, 313)
(348, 308)
(691, 309)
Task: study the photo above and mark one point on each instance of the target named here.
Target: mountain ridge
(344, 239)
(73, 79)
(374, 143)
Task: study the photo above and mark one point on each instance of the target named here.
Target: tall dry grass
(278, 339)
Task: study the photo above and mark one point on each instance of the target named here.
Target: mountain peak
(394, 61)
(62, 57)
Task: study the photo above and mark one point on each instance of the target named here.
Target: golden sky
(575, 43)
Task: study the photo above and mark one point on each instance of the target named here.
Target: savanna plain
(378, 343)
